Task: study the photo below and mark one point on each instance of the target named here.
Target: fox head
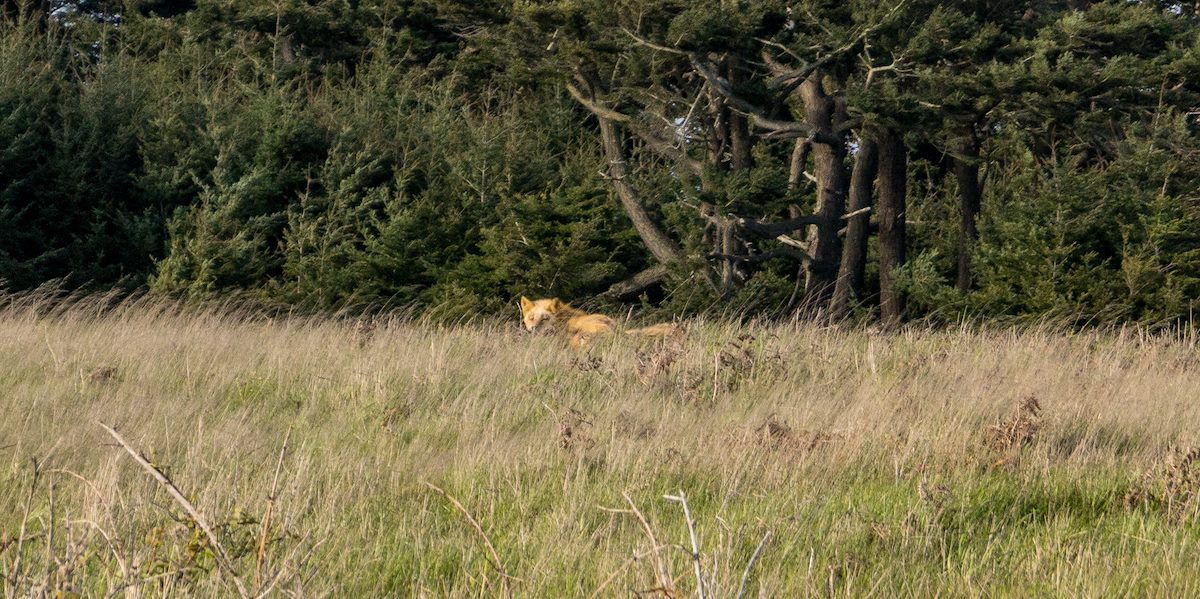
(535, 313)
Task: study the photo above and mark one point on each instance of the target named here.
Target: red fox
(579, 326)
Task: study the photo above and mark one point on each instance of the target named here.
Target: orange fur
(578, 326)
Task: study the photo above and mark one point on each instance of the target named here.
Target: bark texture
(893, 170)
(852, 271)
(966, 172)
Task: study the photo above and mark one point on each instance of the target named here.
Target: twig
(653, 46)
(270, 586)
(177, 495)
(266, 523)
(133, 584)
(482, 535)
(664, 575)
(111, 546)
(635, 557)
(687, 514)
(750, 566)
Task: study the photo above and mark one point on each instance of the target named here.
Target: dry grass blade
(632, 559)
(14, 577)
(261, 553)
(750, 566)
(111, 546)
(691, 524)
(283, 570)
(664, 574)
(482, 535)
(218, 551)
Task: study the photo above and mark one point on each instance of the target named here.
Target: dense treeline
(888, 160)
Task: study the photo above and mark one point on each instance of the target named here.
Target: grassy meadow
(342, 457)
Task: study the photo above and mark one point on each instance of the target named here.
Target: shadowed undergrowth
(478, 461)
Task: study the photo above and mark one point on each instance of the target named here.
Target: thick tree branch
(637, 283)
(777, 129)
(655, 142)
(597, 108)
(661, 247)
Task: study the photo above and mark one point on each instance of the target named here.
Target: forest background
(880, 160)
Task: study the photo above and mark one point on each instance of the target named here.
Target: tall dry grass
(477, 461)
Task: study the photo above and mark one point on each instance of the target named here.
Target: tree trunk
(966, 171)
(824, 244)
(854, 249)
(893, 170)
(661, 247)
(740, 141)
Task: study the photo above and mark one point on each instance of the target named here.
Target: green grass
(867, 457)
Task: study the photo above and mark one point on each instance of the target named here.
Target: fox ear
(555, 305)
(525, 304)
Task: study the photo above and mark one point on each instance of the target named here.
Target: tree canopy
(892, 161)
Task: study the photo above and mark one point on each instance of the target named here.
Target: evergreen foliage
(453, 155)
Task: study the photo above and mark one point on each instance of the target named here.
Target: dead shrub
(774, 434)
(588, 363)
(628, 425)
(741, 358)
(102, 374)
(1009, 436)
(573, 429)
(654, 362)
(1172, 485)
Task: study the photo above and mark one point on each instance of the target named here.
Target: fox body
(578, 326)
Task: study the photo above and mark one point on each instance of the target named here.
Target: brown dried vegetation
(1009, 436)
(1171, 486)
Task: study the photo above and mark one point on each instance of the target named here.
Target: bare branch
(218, 550)
(785, 240)
(687, 514)
(596, 108)
(664, 574)
(778, 129)
(860, 211)
(266, 523)
(641, 41)
(638, 282)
